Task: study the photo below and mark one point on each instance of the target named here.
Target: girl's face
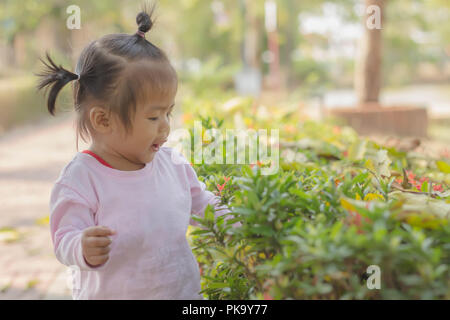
(150, 129)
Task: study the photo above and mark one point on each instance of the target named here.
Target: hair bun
(144, 22)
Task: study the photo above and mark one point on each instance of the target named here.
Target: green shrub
(311, 230)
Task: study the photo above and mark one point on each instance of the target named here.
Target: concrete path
(31, 159)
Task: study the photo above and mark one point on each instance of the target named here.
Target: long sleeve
(202, 197)
(70, 214)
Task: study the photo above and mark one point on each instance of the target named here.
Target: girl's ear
(100, 120)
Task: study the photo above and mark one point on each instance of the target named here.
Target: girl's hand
(95, 244)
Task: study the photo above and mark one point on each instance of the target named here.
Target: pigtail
(54, 78)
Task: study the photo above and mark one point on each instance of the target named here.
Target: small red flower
(411, 175)
(356, 219)
(267, 296)
(221, 187)
(226, 179)
(438, 187)
(345, 153)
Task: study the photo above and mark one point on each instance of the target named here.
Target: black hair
(115, 71)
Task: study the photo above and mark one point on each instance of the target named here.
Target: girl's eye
(169, 114)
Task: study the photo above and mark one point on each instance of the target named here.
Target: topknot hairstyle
(116, 72)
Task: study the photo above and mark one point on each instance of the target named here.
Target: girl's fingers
(97, 242)
(99, 251)
(98, 231)
(97, 260)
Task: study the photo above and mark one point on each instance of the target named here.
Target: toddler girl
(120, 210)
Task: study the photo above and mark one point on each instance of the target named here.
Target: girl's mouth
(156, 146)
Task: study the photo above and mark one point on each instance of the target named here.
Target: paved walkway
(31, 159)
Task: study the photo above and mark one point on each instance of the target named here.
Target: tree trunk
(368, 64)
(252, 36)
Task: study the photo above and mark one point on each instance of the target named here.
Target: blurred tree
(417, 31)
(368, 66)
(21, 18)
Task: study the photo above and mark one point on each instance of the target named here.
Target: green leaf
(218, 285)
(263, 230)
(209, 213)
(361, 177)
(382, 162)
(244, 211)
(424, 187)
(357, 150)
(443, 166)
(204, 232)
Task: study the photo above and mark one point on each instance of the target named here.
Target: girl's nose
(165, 124)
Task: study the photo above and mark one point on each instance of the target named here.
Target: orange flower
(258, 163)
(289, 128)
(221, 187)
(411, 175)
(186, 117)
(336, 130)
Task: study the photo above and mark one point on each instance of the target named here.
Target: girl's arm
(70, 214)
(202, 197)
